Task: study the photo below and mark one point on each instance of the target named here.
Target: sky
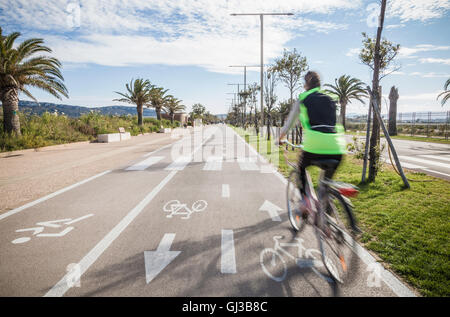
(187, 46)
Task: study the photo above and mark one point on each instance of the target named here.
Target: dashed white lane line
(437, 157)
(19, 209)
(145, 163)
(403, 164)
(228, 259)
(432, 163)
(225, 191)
(248, 165)
(213, 163)
(179, 164)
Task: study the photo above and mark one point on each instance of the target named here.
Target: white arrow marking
(272, 210)
(156, 261)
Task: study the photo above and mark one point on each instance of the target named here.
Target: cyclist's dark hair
(312, 79)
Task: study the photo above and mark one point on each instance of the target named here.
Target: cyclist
(322, 137)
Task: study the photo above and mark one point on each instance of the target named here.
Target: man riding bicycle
(322, 137)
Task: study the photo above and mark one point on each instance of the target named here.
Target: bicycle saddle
(325, 163)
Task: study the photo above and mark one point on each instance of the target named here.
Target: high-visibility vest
(318, 142)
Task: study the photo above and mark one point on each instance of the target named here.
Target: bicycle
(326, 213)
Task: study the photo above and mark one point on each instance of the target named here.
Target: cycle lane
(63, 228)
(194, 253)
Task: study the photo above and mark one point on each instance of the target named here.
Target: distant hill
(76, 111)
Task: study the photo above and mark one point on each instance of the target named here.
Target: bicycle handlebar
(299, 146)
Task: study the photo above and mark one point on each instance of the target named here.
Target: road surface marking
(391, 280)
(213, 163)
(248, 166)
(14, 211)
(161, 148)
(431, 171)
(225, 191)
(145, 163)
(174, 207)
(434, 163)
(272, 209)
(228, 259)
(179, 164)
(437, 157)
(156, 261)
(62, 286)
(403, 164)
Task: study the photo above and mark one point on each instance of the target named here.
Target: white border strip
(391, 280)
(19, 209)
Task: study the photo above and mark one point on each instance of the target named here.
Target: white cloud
(418, 10)
(353, 51)
(445, 61)
(408, 52)
(176, 32)
(430, 75)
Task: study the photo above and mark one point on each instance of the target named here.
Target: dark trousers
(306, 158)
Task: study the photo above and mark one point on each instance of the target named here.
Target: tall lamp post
(261, 17)
(245, 82)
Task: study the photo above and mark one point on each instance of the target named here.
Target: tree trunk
(374, 154)
(140, 111)
(158, 113)
(10, 103)
(376, 91)
(343, 111)
(268, 127)
(393, 98)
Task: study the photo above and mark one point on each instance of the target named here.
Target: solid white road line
(213, 163)
(433, 163)
(225, 191)
(145, 163)
(437, 157)
(63, 285)
(428, 170)
(228, 259)
(19, 209)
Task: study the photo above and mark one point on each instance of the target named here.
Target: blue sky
(186, 46)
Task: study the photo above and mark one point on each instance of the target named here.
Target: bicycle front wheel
(336, 241)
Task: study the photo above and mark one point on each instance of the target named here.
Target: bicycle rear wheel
(336, 241)
(294, 198)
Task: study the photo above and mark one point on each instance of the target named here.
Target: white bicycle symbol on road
(276, 268)
(174, 207)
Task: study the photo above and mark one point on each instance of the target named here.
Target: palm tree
(20, 67)
(158, 98)
(173, 106)
(445, 93)
(347, 88)
(138, 94)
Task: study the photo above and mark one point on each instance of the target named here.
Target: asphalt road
(426, 157)
(189, 219)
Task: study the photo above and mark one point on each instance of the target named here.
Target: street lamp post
(245, 83)
(261, 16)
